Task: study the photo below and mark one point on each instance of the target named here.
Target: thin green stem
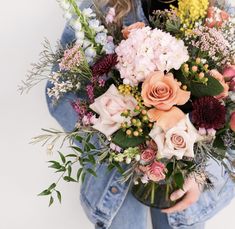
(152, 192)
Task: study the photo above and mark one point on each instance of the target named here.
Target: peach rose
(110, 106)
(166, 119)
(232, 121)
(163, 91)
(126, 31)
(177, 141)
(220, 78)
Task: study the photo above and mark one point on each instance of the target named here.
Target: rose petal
(166, 119)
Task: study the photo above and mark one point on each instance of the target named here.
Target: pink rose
(220, 78)
(232, 121)
(156, 171)
(229, 72)
(147, 155)
(232, 85)
(110, 106)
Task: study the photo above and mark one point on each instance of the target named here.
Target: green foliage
(84, 154)
(121, 139)
(179, 179)
(212, 88)
(198, 89)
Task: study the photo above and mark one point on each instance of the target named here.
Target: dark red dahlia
(104, 65)
(208, 113)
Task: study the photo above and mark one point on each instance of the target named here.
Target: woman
(107, 203)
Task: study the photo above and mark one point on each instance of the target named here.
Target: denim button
(114, 190)
(100, 224)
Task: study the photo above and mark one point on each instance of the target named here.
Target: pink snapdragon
(110, 16)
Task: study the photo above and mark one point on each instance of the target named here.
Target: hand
(191, 192)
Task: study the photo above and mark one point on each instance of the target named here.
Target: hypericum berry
(201, 75)
(198, 60)
(129, 132)
(194, 68)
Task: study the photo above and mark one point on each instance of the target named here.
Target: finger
(177, 194)
(181, 192)
(182, 205)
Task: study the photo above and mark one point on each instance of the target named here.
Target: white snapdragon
(68, 15)
(101, 38)
(80, 35)
(76, 24)
(88, 12)
(95, 25)
(86, 44)
(65, 5)
(90, 52)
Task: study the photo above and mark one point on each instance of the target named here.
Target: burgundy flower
(208, 113)
(104, 65)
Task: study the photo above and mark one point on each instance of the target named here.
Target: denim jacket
(97, 197)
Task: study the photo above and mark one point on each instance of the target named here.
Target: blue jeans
(126, 218)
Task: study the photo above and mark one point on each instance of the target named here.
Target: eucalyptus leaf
(62, 157)
(45, 193)
(69, 179)
(79, 172)
(58, 195)
(51, 201)
(91, 171)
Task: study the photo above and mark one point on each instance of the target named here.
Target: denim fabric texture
(108, 203)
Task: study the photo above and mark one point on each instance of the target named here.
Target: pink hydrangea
(146, 51)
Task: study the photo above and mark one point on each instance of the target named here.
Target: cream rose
(163, 91)
(110, 106)
(177, 141)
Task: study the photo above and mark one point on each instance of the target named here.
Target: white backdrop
(23, 167)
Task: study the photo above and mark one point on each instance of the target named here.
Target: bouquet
(155, 102)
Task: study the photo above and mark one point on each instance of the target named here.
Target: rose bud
(232, 85)
(229, 72)
(147, 156)
(232, 121)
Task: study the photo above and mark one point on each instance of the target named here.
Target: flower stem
(152, 192)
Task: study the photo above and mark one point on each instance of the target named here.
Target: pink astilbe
(90, 92)
(72, 59)
(80, 107)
